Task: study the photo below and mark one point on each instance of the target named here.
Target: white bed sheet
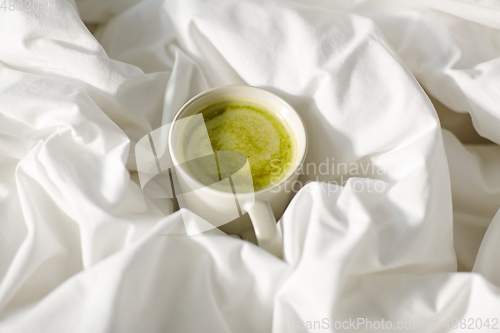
(82, 249)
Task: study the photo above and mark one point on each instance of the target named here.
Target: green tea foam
(263, 137)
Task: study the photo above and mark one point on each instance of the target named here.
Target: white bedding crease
(396, 221)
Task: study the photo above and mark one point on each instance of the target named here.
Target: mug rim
(209, 91)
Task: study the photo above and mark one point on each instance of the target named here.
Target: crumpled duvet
(395, 220)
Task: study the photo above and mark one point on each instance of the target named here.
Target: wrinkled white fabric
(82, 249)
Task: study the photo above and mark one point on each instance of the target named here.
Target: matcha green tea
(249, 128)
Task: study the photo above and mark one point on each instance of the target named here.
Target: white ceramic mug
(218, 206)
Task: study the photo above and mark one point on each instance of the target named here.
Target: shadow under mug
(240, 213)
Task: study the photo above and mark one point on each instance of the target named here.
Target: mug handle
(266, 229)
